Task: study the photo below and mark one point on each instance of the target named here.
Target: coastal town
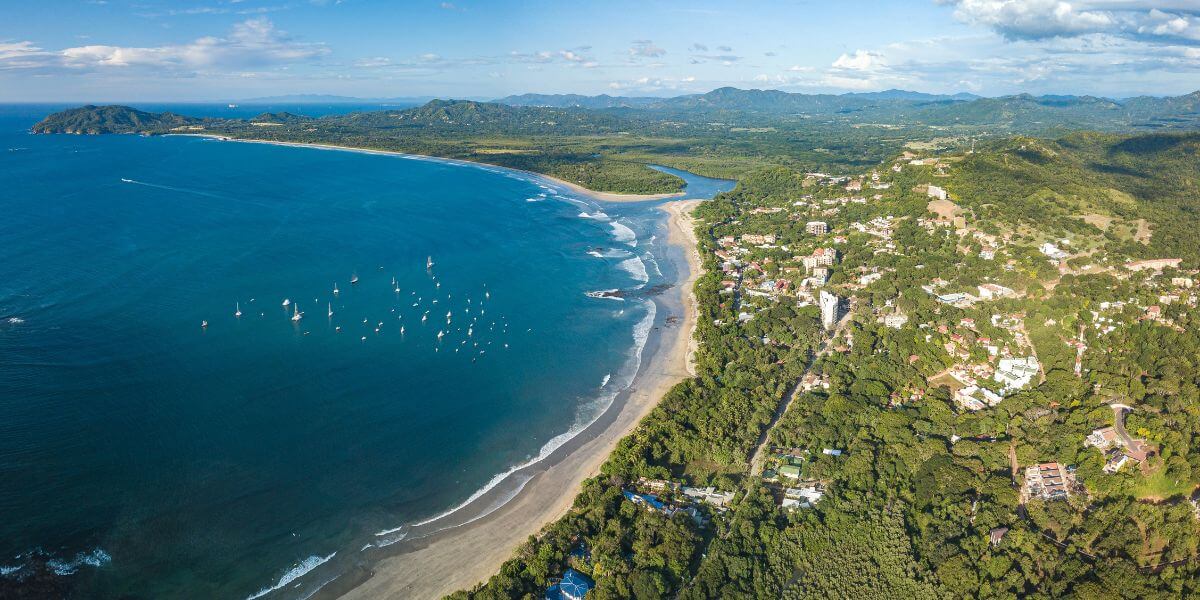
(892, 284)
(673, 300)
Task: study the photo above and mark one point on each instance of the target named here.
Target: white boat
(203, 324)
(331, 310)
(296, 314)
(126, 180)
(335, 290)
(287, 302)
(237, 309)
(429, 262)
(354, 278)
(441, 334)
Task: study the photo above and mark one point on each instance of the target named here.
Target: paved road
(760, 451)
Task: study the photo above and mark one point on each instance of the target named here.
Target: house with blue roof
(573, 586)
(649, 500)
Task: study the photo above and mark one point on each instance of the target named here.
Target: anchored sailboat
(296, 314)
(237, 309)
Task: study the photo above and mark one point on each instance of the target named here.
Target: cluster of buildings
(1117, 446)
(1011, 364)
(1050, 481)
(650, 493)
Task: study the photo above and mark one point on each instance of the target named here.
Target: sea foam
(587, 415)
(296, 572)
(95, 558)
(636, 268)
(623, 233)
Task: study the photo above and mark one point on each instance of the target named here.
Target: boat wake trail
(172, 188)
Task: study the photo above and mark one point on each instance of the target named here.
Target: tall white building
(829, 309)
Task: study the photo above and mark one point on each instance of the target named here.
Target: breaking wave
(636, 268)
(623, 233)
(296, 572)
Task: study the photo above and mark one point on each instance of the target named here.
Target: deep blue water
(147, 455)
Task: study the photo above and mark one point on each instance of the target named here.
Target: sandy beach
(461, 557)
(579, 189)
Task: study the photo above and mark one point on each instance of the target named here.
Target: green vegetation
(922, 489)
(600, 142)
(912, 502)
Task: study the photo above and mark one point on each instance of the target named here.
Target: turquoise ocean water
(144, 455)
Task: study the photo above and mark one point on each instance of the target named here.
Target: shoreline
(462, 556)
(574, 187)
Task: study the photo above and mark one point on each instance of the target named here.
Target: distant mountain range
(331, 99)
(901, 105)
(700, 114)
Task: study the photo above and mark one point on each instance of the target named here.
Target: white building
(821, 257)
(817, 227)
(895, 320)
(937, 192)
(974, 397)
(1052, 251)
(992, 291)
(829, 309)
(1016, 373)
(803, 497)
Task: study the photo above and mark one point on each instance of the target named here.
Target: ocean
(155, 444)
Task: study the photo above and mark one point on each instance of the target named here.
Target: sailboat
(335, 290)
(237, 309)
(286, 302)
(331, 309)
(429, 262)
(354, 278)
(296, 314)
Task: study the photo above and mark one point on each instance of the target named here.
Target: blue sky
(148, 50)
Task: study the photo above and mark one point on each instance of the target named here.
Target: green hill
(110, 119)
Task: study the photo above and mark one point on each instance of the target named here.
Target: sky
(219, 50)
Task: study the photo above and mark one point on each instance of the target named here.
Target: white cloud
(1161, 20)
(861, 60)
(24, 55)
(254, 42)
(645, 49)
